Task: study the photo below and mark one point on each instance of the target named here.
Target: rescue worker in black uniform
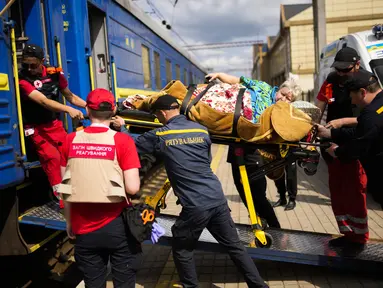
(186, 150)
(365, 141)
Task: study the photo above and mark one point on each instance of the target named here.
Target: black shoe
(344, 242)
(280, 202)
(291, 205)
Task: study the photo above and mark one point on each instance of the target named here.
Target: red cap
(98, 96)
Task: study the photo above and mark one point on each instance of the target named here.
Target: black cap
(31, 50)
(360, 79)
(345, 58)
(165, 103)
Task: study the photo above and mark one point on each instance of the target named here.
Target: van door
(99, 46)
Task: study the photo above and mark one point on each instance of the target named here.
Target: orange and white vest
(93, 174)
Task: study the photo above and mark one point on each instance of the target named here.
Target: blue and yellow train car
(99, 44)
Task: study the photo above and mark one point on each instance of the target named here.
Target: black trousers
(291, 179)
(186, 232)
(111, 242)
(258, 192)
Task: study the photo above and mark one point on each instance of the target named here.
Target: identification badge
(29, 132)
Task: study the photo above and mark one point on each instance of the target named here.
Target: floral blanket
(221, 97)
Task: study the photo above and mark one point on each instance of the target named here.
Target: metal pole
(319, 9)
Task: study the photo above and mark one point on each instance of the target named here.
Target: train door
(99, 46)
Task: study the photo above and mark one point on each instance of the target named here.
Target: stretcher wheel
(269, 239)
(309, 172)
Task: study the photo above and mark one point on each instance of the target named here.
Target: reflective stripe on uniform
(352, 218)
(350, 228)
(181, 131)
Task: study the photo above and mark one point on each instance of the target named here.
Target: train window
(185, 77)
(178, 72)
(158, 70)
(191, 78)
(168, 71)
(146, 66)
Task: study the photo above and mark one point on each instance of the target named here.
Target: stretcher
(308, 159)
(262, 242)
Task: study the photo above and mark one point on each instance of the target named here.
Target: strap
(187, 98)
(200, 95)
(237, 111)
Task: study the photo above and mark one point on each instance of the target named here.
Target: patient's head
(165, 108)
(289, 91)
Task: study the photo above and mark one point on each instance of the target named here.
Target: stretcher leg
(262, 239)
(158, 200)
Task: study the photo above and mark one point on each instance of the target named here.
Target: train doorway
(99, 47)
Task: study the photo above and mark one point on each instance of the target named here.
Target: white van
(368, 44)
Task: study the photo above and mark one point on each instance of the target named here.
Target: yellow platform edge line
(46, 240)
(217, 158)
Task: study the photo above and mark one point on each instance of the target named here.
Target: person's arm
(132, 181)
(364, 135)
(129, 162)
(72, 98)
(223, 77)
(344, 134)
(69, 95)
(322, 99)
(342, 122)
(38, 97)
(145, 143)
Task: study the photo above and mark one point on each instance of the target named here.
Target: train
(109, 44)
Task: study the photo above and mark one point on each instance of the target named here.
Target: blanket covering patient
(220, 100)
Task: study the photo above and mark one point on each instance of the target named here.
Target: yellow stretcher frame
(261, 238)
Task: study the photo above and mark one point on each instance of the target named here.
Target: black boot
(281, 202)
(344, 241)
(291, 205)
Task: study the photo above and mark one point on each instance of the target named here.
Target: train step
(292, 246)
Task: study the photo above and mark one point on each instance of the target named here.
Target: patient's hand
(117, 122)
(324, 132)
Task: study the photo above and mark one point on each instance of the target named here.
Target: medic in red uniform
(39, 88)
(347, 181)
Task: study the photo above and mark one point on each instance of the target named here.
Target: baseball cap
(32, 50)
(165, 103)
(345, 58)
(360, 79)
(97, 97)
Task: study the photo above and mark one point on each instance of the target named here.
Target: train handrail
(9, 4)
(90, 59)
(116, 94)
(17, 89)
(59, 62)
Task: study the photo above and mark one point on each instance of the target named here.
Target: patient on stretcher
(262, 117)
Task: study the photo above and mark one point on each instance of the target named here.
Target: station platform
(312, 214)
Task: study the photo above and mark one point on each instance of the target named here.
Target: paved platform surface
(312, 213)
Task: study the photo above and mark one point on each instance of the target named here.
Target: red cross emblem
(38, 84)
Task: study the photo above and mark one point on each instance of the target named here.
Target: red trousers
(347, 183)
(47, 138)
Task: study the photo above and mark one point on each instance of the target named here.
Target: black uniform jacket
(186, 149)
(365, 141)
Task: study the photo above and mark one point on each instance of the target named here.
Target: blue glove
(157, 232)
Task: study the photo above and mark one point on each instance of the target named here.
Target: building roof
(293, 9)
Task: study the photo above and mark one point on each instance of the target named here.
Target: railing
(59, 61)
(17, 89)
